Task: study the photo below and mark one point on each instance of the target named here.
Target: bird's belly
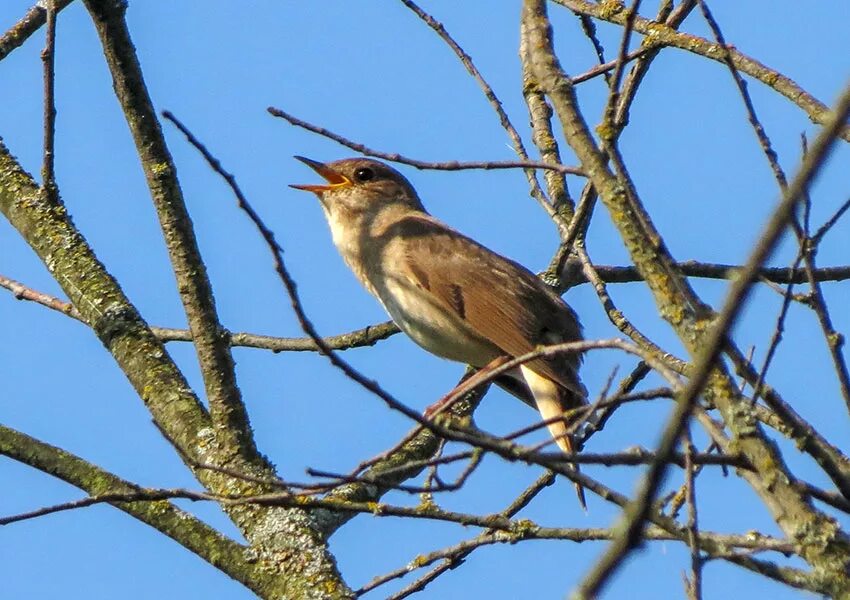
(433, 327)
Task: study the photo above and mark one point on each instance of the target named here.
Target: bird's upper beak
(335, 180)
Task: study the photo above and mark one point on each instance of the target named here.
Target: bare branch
(48, 57)
(660, 35)
(758, 128)
(26, 26)
(495, 103)
(368, 336)
(196, 536)
(695, 583)
(522, 529)
(686, 313)
(452, 165)
(226, 407)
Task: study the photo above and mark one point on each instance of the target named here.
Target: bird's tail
(550, 401)
(565, 443)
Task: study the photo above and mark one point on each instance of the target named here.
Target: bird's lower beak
(334, 179)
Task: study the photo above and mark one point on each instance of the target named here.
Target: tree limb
(223, 553)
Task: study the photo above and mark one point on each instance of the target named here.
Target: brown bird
(451, 295)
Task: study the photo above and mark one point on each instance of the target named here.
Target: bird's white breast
(414, 309)
(430, 324)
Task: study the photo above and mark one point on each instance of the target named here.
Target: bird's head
(360, 185)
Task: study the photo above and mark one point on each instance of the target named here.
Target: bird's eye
(364, 174)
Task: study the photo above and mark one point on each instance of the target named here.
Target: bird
(451, 295)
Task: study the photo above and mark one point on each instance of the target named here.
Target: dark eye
(364, 174)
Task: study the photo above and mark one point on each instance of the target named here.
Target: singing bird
(451, 295)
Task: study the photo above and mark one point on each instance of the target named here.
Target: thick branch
(47, 228)
(101, 304)
(195, 535)
(678, 304)
(229, 416)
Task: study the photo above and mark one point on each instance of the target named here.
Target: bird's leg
(466, 385)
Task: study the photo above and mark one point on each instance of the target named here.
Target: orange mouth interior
(334, 179)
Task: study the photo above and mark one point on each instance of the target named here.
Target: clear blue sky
(373, 72)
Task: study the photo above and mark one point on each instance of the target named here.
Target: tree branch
(692, 320)
(659, 34)
(195, 535)
(26, 26)
(535, 190)
(46, 227)
(452, 165)
(230, 419)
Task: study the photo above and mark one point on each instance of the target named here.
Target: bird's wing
(475, 283)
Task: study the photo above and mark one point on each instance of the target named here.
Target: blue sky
(373, 72)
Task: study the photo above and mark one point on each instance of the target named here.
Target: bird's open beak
(335, 180)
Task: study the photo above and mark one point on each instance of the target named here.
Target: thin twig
(607, 408)
(776, 337)
(588, 28)
(758, 128)
(452, 165)
(834, 340)
(454, 556)
(614, 82)
(695, 583)
(607, 274)
(48, 57)
(605, 68)
(495, 103)
(619, 319)
(678, 498)
(367, 336)
(830, 223)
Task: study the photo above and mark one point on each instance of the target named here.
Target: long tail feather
(547, 396)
